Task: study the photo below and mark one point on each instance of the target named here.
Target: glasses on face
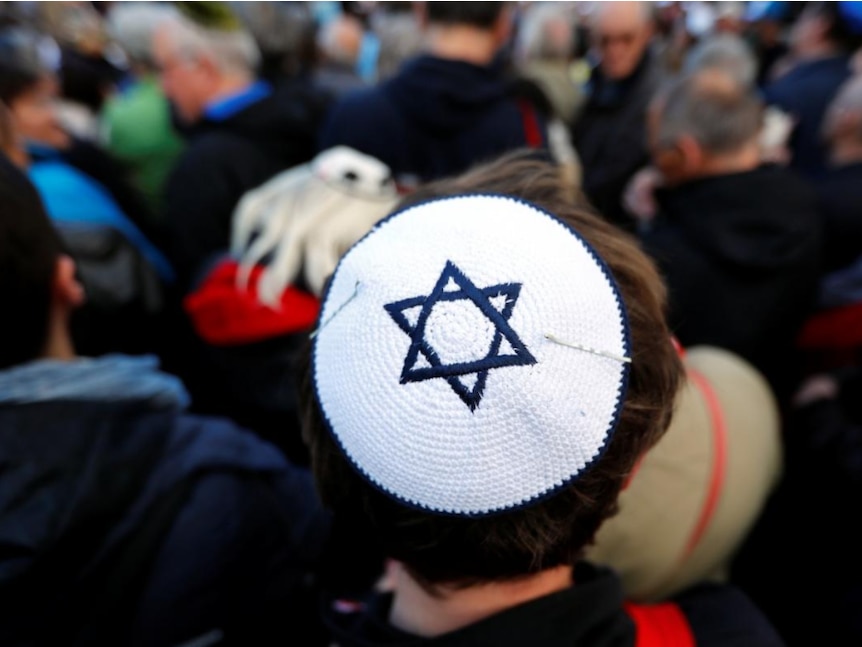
(624, 39)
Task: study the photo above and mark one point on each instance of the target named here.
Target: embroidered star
(495, 303)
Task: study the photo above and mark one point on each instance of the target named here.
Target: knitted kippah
(471, 355)
(210, 15)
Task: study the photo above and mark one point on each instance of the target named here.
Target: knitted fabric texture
(442, 360)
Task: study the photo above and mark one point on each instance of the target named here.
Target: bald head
(621, 32)
(626, 14)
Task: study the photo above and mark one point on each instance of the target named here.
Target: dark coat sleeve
(200, 197)
(722, 615)
(236, 563)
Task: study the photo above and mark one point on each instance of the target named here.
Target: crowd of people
(445, 323)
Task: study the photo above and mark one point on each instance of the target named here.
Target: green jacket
(138, 131)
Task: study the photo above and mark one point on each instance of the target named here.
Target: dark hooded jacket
(741, 256)
(593, 612)
(226, 157)
(610, 136)
(125, 521)
(805, 92)
(436, 118)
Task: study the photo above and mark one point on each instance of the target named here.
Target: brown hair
(455, 551)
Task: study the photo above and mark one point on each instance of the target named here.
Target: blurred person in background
(821, 41)
(835, 327)
(766, 23)
(737, 241)
(396, 25)
(125, 273)
(452, 106)
(339, 42)
(840, 187)
(610, 133)
(91, 67)
(125, 520)
(29, 87)
(136, 122)
(544, 52)
(284, 33)
(241, 129)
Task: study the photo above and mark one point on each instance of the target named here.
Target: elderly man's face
(183, 80)
(621, 36)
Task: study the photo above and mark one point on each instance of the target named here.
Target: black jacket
(129, 523)
(841, 207)
(817, 603)
(741, 256)
(591, 613)
(610, 136)
(435, 118)
(225, 158)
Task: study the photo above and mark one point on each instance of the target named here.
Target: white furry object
(307, 217)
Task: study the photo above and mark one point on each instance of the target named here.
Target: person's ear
(679, 161)
(207, 66)
(503, 26)
(67, 289)
(670, 162)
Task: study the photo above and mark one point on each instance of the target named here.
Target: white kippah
(472, 355)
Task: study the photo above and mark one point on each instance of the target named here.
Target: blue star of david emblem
(453, 285)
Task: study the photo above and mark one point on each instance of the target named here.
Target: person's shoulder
(722, 615)
(209, 153)
(361, 103)
(220, 441)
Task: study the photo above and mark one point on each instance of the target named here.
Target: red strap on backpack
(660, 625)
(719, 463)
(532, 131)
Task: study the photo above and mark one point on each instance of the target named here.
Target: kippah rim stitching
(622, 388)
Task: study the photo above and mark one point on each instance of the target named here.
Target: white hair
(132, 25)
(535, 39)
(234, 51)
(726, 51)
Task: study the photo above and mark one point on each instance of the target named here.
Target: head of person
(703, 124)
(724, 51)
(29, 86)
(203, 52)
(825, 28)
(842, 124)
(485, 24)
(484, 415)
(132, 25)
(547, 32)
(340, 39)
(729, 17)
(620, 32)
(35, 275)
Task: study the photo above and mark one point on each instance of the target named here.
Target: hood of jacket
(765, 218)
(86, 446)
(445, 96)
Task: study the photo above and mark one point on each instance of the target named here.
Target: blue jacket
(124, 521)
(434, 118)
(805, 92)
